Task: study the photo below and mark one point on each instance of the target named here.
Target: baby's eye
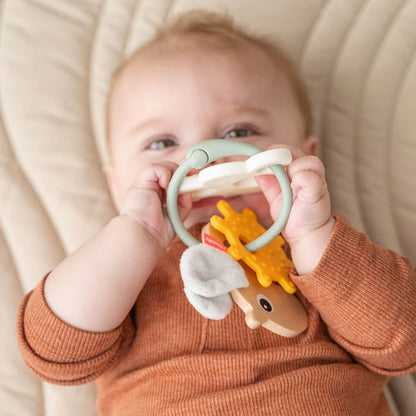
(161, 143)
(238, 132)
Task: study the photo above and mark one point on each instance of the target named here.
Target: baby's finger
(270, 187)
(272, 192)
(156, 176)
(308, 186)
(166, 170)
(307, 163)
(184, 205)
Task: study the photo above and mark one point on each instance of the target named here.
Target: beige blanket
(57, 57)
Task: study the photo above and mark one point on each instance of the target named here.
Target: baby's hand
(145, 201)
(310, 222)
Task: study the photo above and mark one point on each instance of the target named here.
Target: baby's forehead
(194, 46)
(237, 62)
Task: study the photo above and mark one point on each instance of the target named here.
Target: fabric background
(56, 61)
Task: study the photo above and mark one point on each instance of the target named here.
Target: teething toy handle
(234, 178)
(200, 156)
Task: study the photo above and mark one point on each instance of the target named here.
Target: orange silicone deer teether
(270, 307)
(270, 262)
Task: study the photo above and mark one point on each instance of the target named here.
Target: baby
(115, 310)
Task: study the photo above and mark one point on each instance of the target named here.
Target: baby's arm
(95, 287)
(83, 325)
(365, 294)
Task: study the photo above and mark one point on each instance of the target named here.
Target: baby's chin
(203, 210)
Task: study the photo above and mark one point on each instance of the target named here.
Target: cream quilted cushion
(57, 57)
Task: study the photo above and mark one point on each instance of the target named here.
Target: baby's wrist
(142, 233)
(307, 251)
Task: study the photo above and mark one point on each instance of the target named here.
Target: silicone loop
(200, 156)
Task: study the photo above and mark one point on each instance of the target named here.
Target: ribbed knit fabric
(166, 359)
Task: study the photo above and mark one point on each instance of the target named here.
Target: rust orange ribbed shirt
(166, 359)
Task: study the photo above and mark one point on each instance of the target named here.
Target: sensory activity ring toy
(255, 258)
(209, 151)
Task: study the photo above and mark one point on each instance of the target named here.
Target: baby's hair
(222, 33)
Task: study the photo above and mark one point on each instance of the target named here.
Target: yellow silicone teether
(270, 262)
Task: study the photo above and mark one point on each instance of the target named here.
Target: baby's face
(165, 103)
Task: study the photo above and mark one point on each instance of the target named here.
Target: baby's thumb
(272, 192)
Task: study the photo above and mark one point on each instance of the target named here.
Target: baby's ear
(311, 145)
(110, 175)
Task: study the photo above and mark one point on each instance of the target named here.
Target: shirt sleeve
(63, 354)
(366, 295)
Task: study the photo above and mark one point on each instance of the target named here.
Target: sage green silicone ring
(200, 156)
